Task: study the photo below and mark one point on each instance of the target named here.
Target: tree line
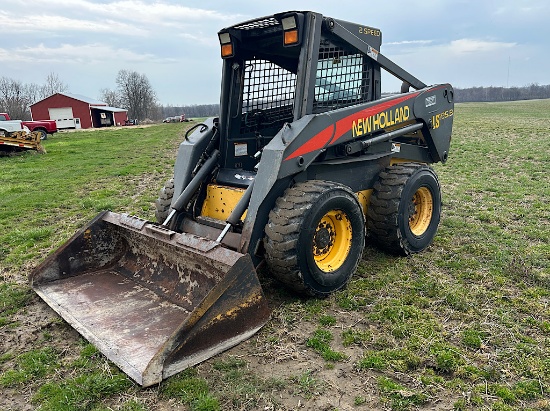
(135, 93)
(16, 97)
(530, 92)
(190, 111)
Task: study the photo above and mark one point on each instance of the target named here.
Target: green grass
(13, 297)
(29, 366)
(81, 392)
(320, 342)
(81, 174)
(190, 390)
(306, 384)
(463, 325)
(398, 396)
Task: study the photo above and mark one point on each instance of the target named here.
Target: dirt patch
(278, 352)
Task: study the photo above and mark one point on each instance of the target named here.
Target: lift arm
(339, 30)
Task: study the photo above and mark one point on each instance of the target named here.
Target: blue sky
(174, 43)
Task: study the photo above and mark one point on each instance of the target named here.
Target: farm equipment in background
(305, 159)
(14, 137)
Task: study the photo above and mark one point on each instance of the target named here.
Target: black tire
(162, 204)
(43, 134)
(404, 208)
(315, 237)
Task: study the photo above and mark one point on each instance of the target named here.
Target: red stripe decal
(331, 134)
(318, 141)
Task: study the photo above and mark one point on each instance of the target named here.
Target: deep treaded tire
(404, 208)
(162, 204)
(315, 237)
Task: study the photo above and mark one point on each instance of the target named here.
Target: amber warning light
(226, 45)
(290, 29)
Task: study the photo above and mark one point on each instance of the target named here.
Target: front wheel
(405, 208)
(164, 200)
(315, 237)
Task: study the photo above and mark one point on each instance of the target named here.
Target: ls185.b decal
(438, 118)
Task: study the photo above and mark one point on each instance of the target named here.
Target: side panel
(344, 125)
(433, 107)
(436, 107)
(11, 125)
(189, 154)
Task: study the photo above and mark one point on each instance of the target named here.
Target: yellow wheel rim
(332, 241)
(421, 211)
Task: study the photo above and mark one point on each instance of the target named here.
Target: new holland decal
(379, 121)
(368, 120)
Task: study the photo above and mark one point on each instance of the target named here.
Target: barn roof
(107, 108)
(91, 101)
(79, 97)
(85, 99)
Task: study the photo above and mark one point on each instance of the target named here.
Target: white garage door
(62, 116)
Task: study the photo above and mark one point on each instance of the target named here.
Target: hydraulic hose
(193, 185)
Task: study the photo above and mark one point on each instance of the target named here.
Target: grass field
(464, 325)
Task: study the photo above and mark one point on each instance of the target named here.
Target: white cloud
(171, 41)
(70, 54)
(124, 18)
(45, 23)
(151, 14)
(532, 8)
(478, 46)
(408, 42)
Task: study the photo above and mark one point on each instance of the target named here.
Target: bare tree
(15, 98)
(136, 94)
(111, 97)
(53, 85)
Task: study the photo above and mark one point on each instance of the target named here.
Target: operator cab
(272, 75)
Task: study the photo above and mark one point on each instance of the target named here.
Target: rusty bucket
(152, 300)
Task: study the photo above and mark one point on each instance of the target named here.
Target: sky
(174, 43)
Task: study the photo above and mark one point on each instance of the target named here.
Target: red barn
(77, 111)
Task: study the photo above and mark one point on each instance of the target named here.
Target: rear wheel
(315, 237)
(405, 208)
(164, 200)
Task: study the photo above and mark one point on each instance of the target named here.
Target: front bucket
(152, 300)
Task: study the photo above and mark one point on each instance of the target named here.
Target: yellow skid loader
(305, 159)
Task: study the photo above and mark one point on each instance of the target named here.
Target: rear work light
(226, 45)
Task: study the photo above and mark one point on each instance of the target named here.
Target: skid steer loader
(305, 159)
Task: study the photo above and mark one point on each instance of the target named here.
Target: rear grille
(258, 24)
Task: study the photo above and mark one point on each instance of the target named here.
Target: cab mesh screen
(268, 96)
(342, 79)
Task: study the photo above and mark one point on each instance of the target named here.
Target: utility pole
(508, 77)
